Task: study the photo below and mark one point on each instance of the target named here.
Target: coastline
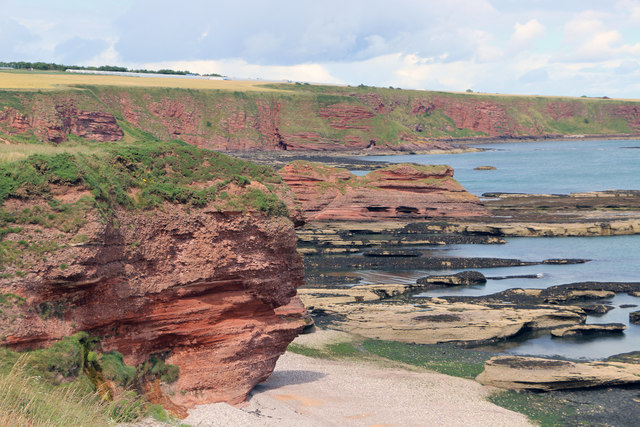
(312, 391)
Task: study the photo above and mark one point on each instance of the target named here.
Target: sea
(548, 167)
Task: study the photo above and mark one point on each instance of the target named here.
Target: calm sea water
(557, 168)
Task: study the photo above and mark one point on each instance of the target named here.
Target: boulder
(582, 330)
(485, 168)
(533, 373)
(464, 278)
(634, 317)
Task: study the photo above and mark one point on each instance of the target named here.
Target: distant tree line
(46, 66)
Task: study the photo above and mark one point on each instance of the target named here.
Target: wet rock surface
(589, 330)
(464, 278)
(392, 253)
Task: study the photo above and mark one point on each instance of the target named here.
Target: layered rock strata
(592, 329)
(533, 373)
(403, 191)
(213, 293)
(433, 320)
(63, 120)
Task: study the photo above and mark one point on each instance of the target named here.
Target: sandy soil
(305, 391)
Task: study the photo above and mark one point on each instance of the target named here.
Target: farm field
(26, 80)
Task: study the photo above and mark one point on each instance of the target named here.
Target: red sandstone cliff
(308, 118)
(66, 119)
(214, 293)
(402, 191)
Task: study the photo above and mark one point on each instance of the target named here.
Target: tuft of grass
(28, 400)
(338, 350)
(33, 384)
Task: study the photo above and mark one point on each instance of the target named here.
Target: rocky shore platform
(380, 222)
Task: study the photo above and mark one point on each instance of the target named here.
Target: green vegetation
(162, 172)
(64, 385)
(330, 351)
(140, 176)
(545, 409)
(446, 359)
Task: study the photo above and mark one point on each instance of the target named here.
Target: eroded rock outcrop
(402, 191)
(213, 293)
(591, 329)
(464, 278)
(433, 320)
(65, 119)
(533, 373)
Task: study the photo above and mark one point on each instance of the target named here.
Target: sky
(545, 47)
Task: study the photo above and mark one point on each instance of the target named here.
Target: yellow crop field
(24, 80)
(12, 152)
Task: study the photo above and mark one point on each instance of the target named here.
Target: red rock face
(14, 120)
(67, 119)
(180, 118)
(478, 116)
(630, 113)
(346, 116)
(396, 192)
(215, 293)
(563, 110)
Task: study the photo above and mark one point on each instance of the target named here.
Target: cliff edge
(297, 117)
(200, 272)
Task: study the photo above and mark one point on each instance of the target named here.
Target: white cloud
(631, 8)
(582, 27)
(526, 33)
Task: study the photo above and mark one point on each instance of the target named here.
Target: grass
(330, 351)
(65, 385)
(14, 152)
(160, 171)
(443, 358)
(27, 400)
(545, 409)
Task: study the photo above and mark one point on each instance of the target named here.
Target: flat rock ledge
(464, 278)
(533, 373)
(362, 310)
(582, 330)
(634, 317)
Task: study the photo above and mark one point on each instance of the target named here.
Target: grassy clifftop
(234, 116)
